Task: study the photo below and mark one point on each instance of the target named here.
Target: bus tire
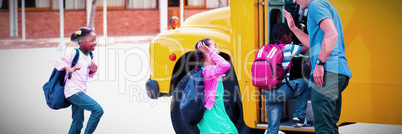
(179, 126)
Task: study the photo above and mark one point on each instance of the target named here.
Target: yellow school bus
(371, 29)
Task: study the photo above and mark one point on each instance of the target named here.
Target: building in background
(124, 17)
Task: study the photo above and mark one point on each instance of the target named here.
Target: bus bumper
(152, 88)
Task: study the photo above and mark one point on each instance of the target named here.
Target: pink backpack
(267, 70)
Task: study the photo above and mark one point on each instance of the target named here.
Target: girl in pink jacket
(215, 119)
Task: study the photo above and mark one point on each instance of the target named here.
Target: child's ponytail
(74, 36)
(80, 34)
(199, 56)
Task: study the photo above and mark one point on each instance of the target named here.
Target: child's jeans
(80, 102)
(275, 98)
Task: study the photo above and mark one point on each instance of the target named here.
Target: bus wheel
(179, 126)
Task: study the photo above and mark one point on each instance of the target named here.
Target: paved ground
(44, 42)
(119, 87)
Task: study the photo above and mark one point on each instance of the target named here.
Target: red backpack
(267, 70)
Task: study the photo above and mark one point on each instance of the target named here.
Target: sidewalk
(44, 42)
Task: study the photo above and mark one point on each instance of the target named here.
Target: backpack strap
(196, 78)
(287, 79)
(287, 69)
(91, 54)
(76, 57)
(74, 62)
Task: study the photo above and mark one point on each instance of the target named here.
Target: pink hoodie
(211, 75)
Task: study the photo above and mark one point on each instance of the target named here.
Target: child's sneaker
(301, 122)
(279, 132)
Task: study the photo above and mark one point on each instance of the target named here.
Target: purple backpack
(267, 70)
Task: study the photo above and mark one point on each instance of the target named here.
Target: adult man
(330, 70)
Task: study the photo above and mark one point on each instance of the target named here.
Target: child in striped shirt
(275, 98)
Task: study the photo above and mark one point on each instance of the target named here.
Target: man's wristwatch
(319, 62)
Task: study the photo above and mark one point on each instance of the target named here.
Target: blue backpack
(192, 102)
(54, 88)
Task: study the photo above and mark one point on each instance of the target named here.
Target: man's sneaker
(301, 122)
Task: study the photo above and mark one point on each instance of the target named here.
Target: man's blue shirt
(336, 62)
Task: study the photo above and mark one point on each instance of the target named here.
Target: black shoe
(302, 122)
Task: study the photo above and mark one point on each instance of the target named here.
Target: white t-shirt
(78, 81)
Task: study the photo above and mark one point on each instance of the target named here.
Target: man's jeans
(275, 98)
(80, 102)
(327, 102)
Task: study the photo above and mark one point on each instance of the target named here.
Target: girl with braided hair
(213, 66)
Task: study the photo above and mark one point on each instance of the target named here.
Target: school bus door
(269, 13)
